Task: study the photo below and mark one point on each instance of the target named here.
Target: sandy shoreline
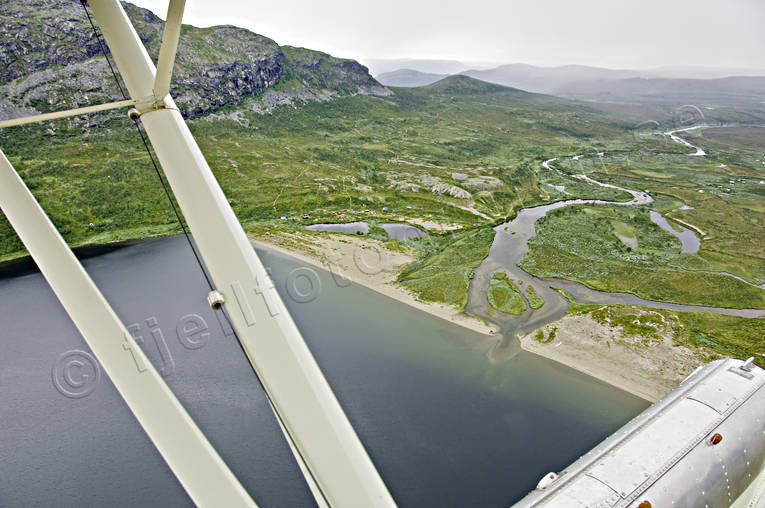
(580, 343)
(577, 345)
(644, 366)
(368, 263)
(621, 382)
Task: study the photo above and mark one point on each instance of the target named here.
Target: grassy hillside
(360, 152)
(458, 151)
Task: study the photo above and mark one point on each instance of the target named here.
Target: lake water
(402, 231)
(395, 231)
(349, 227)
(445, 426)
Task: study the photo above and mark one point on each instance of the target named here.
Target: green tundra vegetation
(579, 243)
(720, 200)
(709, 334)
(504, 295)
(458, 151)
(445, 264)
(535, 301)
(540, 336)
(723, 199)
(404, 153)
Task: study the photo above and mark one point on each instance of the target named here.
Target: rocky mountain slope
(51, 60)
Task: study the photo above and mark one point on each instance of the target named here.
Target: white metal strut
(337, 467)
(331, 456)
(193, 460)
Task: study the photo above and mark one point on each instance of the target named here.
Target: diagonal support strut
(168, 49)
(193, 460)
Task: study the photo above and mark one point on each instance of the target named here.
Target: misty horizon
(632, 35)
(451, 66)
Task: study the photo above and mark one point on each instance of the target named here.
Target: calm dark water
(444, 425)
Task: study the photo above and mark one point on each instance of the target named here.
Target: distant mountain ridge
(736, 91)
(627, 86)
(461, 84)
(409, 77)
(548, 79)
(430, 66)
(609, 85)
(51, 60)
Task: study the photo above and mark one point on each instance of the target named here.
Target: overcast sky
(608, 33)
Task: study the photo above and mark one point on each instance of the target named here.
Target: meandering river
(677, 139)
(511, 243)
(688, 239)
